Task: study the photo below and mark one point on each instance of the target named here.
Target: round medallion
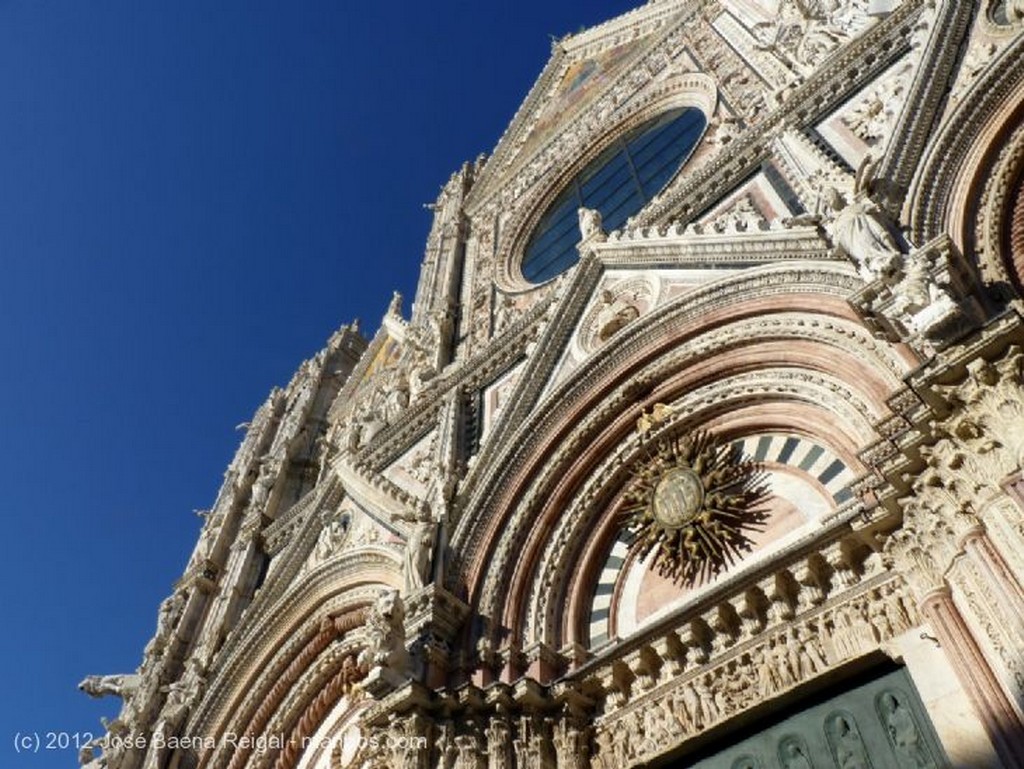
(678, 497)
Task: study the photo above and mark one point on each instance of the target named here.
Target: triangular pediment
(582, 69)
(642, 273)
(633, 275)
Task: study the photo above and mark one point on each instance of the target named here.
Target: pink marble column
(990, 701)
(979, 548)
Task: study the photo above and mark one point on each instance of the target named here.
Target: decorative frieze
(645, 724)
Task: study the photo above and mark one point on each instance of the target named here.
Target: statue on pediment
(591, 226)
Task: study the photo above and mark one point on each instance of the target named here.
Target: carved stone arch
(812, 418)
(963, 158)
(679, 89)
(594, 398)
(999, 222)
(337, 741)
(819, 288)
(263, 678)
(575, 449)
(792, 445)
(560, 609)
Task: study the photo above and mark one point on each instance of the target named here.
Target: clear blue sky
(193, 196)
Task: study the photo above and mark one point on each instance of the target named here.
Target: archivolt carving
(832, 332)
(547, 596)
(259, 659)
(999, 233)
(564, 541)
(951, 157)
(526, 423)
(264, 715)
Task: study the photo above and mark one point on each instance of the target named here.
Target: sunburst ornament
(694, 501)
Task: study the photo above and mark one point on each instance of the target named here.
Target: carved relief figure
(903, 733)
(847, 746)
(332, 536)
(182, 695)
(793, 754)
(168, 616)
(614, 314)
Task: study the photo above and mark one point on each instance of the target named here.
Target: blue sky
(193, 196)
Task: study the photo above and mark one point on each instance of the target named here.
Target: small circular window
(618, 183)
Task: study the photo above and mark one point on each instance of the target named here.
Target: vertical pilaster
(993, 707)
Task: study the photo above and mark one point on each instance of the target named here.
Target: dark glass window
(618, 183)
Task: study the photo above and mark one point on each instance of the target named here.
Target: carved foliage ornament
(692, 502)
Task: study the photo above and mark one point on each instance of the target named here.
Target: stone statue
(352, 430)
(590, 224)
(204, 548)
(858, 227)
(122, 685)
(385, 631)
(183, 693)
(395, 307)
(861, 232)
(182, 696)
(419, 549)
(261, 488)
(169, 614)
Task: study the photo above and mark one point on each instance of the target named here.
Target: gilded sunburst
(694, 501)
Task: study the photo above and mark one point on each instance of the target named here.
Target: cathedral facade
(699, 445)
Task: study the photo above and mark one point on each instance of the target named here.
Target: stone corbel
(436, 609)
(201, 576)
(543, 662)
(513, 661)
